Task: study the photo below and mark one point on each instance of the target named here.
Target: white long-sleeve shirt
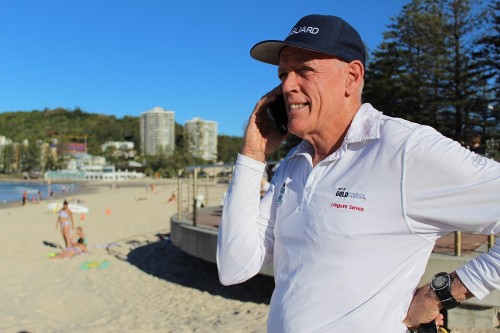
(350, 238)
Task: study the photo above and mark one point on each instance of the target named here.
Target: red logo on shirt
(346, 206)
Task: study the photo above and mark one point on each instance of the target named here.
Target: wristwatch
(441, 284)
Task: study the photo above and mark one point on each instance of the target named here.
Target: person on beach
(172, 198)
(353, 212)
(25, 198)
(65, 222)
(74, 250)
(79, 234)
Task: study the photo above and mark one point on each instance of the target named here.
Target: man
(353, 212)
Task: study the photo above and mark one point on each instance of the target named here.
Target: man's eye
(305, 71)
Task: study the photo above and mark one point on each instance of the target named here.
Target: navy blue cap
(321, 33)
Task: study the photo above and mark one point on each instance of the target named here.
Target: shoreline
(57, 195)
(82, 188)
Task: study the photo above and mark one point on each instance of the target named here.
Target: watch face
(440, 281)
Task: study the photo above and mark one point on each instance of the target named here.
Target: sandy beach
(132, 280)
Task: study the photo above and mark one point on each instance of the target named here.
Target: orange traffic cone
(108, 211)
(82, 217)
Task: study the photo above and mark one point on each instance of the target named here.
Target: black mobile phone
(276, 111)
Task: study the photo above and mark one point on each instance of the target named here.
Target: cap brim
(269, 51)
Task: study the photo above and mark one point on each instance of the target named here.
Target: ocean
(13, 191)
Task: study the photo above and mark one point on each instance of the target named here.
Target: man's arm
(449, 188)
(245, 241)
(246, 237)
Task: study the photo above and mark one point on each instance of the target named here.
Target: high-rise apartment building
(158, 131)
(201, 138)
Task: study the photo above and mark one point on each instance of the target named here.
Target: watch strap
(450, 303)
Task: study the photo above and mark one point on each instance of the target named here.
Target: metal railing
(458, 242)
(197, 188)
(189, 181)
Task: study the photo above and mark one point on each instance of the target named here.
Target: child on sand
(79, 234)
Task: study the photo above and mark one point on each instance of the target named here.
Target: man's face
(313, 86)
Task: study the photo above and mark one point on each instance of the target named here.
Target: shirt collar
(365, 126)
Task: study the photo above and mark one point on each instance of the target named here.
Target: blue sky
(124, 57)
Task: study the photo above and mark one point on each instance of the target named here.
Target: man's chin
(296, 129)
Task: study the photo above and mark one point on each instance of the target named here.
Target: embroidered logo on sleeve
(478, 161)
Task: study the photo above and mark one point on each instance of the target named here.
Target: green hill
(69, 125)
(73, 125)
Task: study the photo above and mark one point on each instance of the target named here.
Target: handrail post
(491, 241)
(179, 195)
(207, 201)
(458, 243)
(195, 195)
(189, 191)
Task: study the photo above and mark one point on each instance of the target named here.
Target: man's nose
(290, 82)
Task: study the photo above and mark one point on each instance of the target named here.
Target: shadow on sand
(163, 260)
(53, 245)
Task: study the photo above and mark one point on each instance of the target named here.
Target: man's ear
(354, 79)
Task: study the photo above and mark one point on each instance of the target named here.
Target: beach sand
(144, 284)
(133, 279)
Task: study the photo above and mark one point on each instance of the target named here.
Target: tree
(111, 155)
(8, 158)
(30, 157)
(406, 70)
(50, 164)
(486, 63)
(228, 148)
(423, 69)
(463, 18)
(64, 124)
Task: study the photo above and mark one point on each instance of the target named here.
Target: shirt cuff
(250, 163)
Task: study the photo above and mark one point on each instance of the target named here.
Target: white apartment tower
(157, 131)
(201, 138)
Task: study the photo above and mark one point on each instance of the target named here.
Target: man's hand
(261, 138)
(424, 308)
(425, 304)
